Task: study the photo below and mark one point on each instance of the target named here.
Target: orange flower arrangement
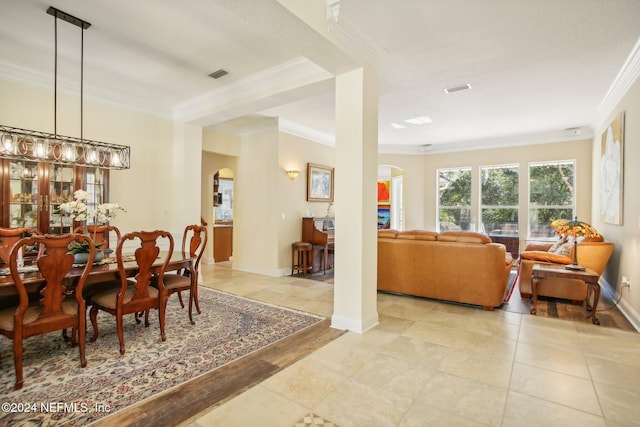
(574, 228)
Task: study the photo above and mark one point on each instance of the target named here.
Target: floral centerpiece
(79, 210)
(574, 229)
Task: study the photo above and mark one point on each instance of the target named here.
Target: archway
(222, 203)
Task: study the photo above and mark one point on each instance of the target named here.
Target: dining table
(103, 271)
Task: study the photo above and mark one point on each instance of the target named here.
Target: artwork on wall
(383, 192)
(611, 171)
(384, 217)
(319, 183)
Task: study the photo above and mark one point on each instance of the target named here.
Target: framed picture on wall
(383, 192)
(384, 217)
(611, 171)
(319, 183)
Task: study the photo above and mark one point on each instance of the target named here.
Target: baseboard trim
(625, 308)
(359, 326)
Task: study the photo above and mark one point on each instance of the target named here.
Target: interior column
(355, 195)
(187, 167)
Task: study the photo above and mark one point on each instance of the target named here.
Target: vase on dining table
(83, 257)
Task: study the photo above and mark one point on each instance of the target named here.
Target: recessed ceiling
(536, 67)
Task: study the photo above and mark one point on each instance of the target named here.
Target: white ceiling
(536, 68)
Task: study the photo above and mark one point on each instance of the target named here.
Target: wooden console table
(588, 276)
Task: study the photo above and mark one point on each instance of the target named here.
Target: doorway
(391, 202)
(223, 215)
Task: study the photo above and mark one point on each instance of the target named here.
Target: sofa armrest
(508, 259)
(543, 256)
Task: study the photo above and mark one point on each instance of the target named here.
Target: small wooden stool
(301, 252)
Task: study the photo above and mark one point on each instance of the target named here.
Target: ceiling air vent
(218, 73)
(459, 88)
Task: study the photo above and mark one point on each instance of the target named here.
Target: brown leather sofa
(458, 266)
(593, 253)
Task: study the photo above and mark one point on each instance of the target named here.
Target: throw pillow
(564, 249)
(561, 240)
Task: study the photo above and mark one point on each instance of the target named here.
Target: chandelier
(16, 143)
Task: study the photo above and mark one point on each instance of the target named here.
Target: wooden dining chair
(100, 234)
(9, 237)
(56, 309)
(185, 279)
(135, 295)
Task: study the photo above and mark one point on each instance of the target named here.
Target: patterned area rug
(57, 391)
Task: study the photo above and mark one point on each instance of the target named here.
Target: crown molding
(306, 133)
(281, 78)
(585, 134)
(39, 80)
(348, 33)
(628, 74)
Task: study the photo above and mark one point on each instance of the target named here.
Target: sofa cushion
(417, 235)
(389, 234)
(463, 237)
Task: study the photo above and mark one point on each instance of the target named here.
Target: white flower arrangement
(104, 212)
(78, 207)
(79, 210)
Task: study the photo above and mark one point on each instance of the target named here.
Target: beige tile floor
(436, 364)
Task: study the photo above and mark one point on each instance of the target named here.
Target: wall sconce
(293, 174)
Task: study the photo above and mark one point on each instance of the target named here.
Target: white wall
(624, 261)
(294, 153)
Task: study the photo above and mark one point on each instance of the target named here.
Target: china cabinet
(33, 191)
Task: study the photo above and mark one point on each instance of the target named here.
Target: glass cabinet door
(61, 188)
(24, 197)
(95, 188)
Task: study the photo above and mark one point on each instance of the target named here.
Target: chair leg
(93, 314)
(304, 262)
(74, 336)
(180, 299)
(120, 333)
(194, 291)
(17, 359)
(161, 311)
(146, 318)
(191, 300)
(82, 337)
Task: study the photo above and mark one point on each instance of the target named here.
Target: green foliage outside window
(499, 192)
(454, 189)
(551, 196)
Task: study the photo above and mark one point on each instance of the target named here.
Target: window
(551, 195)
(454, 199)
(95, 187)
(224, 210)
(499, 199)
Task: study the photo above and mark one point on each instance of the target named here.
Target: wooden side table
(590, 277)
